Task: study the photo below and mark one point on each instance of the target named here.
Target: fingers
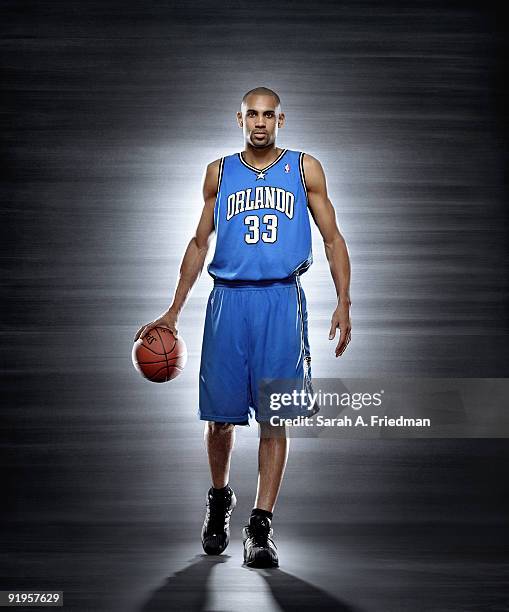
(173, 330)
(143, 331)
(138, 333)
(333, 326)
(341, 344)
(169, 326)
(344, 341)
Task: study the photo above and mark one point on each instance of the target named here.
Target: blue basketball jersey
(261, 219)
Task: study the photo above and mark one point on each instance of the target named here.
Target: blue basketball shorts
(254, 330)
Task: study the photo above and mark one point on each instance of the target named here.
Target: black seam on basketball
(154, 375)
(151, 362)
(174, 345)
(174, 358)
(169, 360)
(165, 355)
(152, 350)
(155, 352)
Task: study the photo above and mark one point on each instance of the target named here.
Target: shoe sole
(261, 561)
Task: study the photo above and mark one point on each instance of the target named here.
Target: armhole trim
(220, 175)
(303, 176)
(217, 203)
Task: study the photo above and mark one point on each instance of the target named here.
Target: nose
(260, 121)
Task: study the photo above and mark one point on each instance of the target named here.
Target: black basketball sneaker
(215, 533)
(259, 547)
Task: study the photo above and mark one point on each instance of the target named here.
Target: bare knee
(268, 431)
(215, 429)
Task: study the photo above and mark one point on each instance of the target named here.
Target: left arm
(336, 251)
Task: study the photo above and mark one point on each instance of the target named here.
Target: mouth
(260, 134)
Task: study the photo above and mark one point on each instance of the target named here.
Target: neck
(262, 157)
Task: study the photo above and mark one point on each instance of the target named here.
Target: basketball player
(257, 203)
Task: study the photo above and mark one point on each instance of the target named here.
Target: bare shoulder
(313, 171)
(213, 168)
(214, 165)
(211, 179)
(310, 162)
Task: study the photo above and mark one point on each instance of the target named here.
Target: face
(260, 120)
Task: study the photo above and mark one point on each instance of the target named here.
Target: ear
(281, 120)
(239, 119)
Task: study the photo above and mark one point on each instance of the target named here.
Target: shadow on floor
(187, 590)
(292, 593)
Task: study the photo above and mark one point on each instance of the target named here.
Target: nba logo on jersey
(287, 168)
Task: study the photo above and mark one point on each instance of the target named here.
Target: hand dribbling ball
(159, 356)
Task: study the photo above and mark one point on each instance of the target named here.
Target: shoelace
(260, 537)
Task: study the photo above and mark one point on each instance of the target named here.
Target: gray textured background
(111, 111)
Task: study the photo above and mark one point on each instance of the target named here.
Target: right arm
(194, 256)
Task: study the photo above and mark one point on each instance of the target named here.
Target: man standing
(257, 204)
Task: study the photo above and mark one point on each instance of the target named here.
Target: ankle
(225, 492)
(259, 512)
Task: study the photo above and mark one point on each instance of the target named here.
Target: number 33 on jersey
(261, 219)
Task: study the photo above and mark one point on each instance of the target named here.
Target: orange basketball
(159, 356)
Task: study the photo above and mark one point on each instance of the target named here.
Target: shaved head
(260, 117)
(262, 91)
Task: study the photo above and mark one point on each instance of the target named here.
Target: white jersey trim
(303, 176)
(217, 204)
(258, 170)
